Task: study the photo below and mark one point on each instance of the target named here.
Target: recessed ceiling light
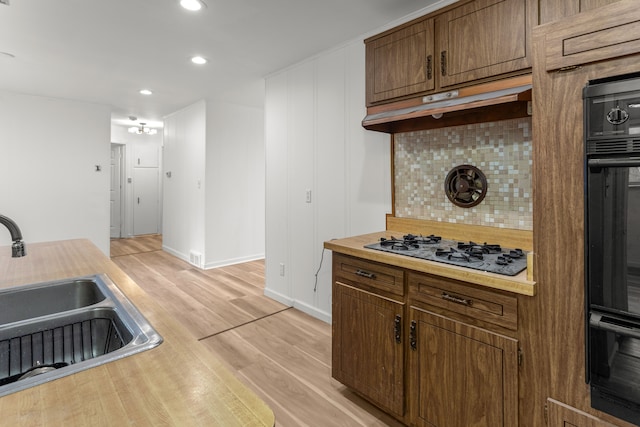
(194, 5)
(146, 92)
(199, 60)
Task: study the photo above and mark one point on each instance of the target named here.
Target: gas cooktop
(478, 256)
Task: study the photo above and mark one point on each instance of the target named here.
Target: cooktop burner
(478, 256)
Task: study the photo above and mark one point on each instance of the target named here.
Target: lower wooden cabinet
(366, 355)
(460, 375)
(561, 415)
(420, 354)
(367, 342)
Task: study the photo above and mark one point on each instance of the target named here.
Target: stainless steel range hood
(483, 103)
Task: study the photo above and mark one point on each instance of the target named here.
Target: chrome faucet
(17, 248)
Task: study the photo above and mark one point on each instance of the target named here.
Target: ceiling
(106, 51)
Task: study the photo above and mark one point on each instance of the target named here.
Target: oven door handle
(607, 322)
(603, 163)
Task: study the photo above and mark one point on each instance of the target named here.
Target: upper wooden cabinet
(475, 40)
(481, 39)
(551, 10)
(401, 62)
(588, 38)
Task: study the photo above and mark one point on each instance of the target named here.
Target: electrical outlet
(308, 196)
(281, 269)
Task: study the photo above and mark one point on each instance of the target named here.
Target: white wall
(214, 200)
(235, 184)
(315, 141)
(183, 212)
(49, 149)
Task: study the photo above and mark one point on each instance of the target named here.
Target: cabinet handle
(412, 336)
(429, 67)
(397, 329)
(457, 300)
(443, 62)
(366, 274)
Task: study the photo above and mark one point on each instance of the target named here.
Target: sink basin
(38, 300)
(58, 328)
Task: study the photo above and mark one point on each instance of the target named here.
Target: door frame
(121, 148)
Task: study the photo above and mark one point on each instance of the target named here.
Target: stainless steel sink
(54, 329)
(28, 302)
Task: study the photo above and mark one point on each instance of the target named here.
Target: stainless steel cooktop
(478, 256)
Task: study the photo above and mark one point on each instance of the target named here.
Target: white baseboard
(305, 308)
(184, 257)
(279, 297)
(215, 264)
(232, 261)
(313, 311)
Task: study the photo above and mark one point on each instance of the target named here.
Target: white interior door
(145, 201)
(115, 192)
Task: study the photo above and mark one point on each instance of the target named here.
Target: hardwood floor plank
(257, 305)
(148, 243)
(198, 319)
(223, 289)
(283, 354)
(296, 386)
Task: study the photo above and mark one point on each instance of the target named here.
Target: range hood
(507, 99)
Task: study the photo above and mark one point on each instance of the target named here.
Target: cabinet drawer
(357, 271)
(487, 306)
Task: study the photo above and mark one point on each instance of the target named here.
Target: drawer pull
(443, 62)
(457, 300)
(366, 274)
(413, 340)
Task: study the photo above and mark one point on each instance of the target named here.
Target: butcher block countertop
(519, 284)
(178, 383)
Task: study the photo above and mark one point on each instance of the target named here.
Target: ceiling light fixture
(142, 129)
(193, 5)
(146, 92)
(199, 60)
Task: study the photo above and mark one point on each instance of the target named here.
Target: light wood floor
(281, 353)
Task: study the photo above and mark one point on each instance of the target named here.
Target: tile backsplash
(501, 150)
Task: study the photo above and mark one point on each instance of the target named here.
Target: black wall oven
(612, 204)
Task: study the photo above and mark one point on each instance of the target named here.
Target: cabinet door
(460, 375)
(561, 415)
(400, 63)
(481, 39)
(592, 36)
(551, 10)
(366, 355)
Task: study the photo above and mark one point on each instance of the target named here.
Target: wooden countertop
(178, 383)
(354, 246)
